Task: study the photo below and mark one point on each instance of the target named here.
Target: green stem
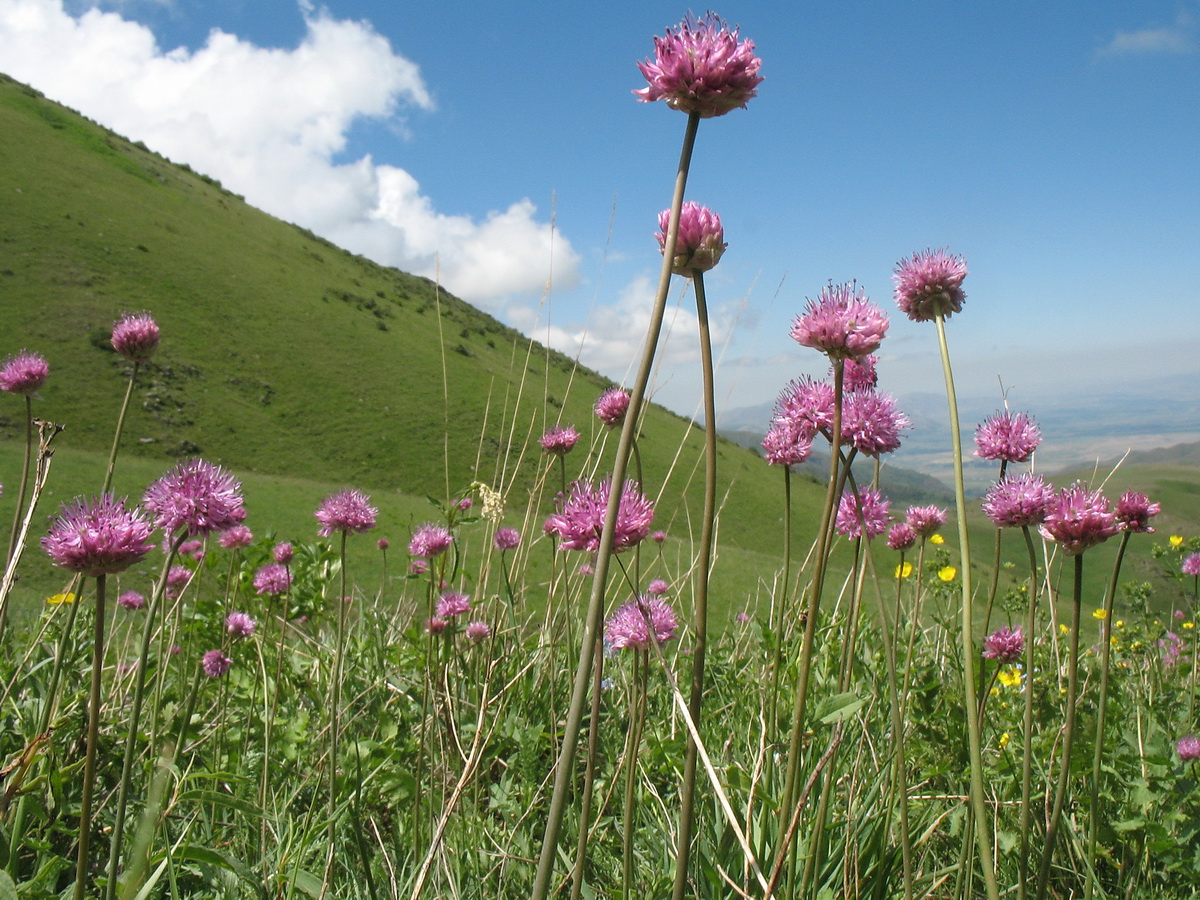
(335, 703)
(589, 776)
(112, 454)
(637, 719)
(1027, 734)
(974, 748)
(595, 612)
(12, 539)
(93, 730)
(778, 612)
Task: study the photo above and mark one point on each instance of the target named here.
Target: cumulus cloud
(1179, 37)
(268, 123)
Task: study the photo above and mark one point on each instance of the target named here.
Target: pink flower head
(383, 544)
(1172, 647)
(872, 422)
(1134, 512)
(1005, 645)
(98, 536)
(859, 374)
(135, 337)
(805, 405)
(925, 520)
(131, 600)
(929, 284)
(272, 579)
(178, 577)
(579, 520)
(787, 443)
(1018, 501)
(1078, 519)
(239, 624)
(901, 536)
(657, 587)
(559, 440)
(841, 323)
(24, 373)
(237, 536)
(430, 540)
(586, 569)
(507, 538)
(701, 67)
(452, 604)
(283, 553)
(1191, 564)
(215, 663)
(658, 537)
(1007, 436)
(477, 632)
(1188, 748)
(418, 567)
(196, 496)
(611, 406)
(435, 625)
(465, 503)
(627, 627)
(867, 510)
(700, 242)
(346, 511)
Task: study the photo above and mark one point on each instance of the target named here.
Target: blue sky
(1053, 144)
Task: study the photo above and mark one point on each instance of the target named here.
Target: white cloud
(268, 123)
(1179, 37)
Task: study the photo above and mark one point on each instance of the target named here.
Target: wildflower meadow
(526, 693)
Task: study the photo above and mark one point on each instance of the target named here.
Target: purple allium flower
(237, 536)
(657, 587)
(611, 406)
(1188, 748)
(743, 617)
(452, 604)
(435, 625)
(383, 543)
(902, 536)
(873, 508)
(1179, 614)
(135, 337)
(187, 548)
(283, 553)
(1007, 436)
(1172, 647)
(929, 284)
(925, 520)
(700, 242)
(806, 405)
(24, 373)
(701, 67)
(1018, 501)
(507, 538)
(1134, 512)
(197, 496)
(586, 569)
(580, 517)
(1005, 645)
(627, 626)
(239, 624)
(658, 537)
(477, 632)
(346, 511)
(858, 374)
(131, 600)
(787, 444)
(1191, 564)
(272, 579)
(215, 663)
(418, 567)
(1078, 519)
(841, 323)
(465, 503)
(559, 440)
(98, 536)
(872, 423)
(430, 540)
(178, 576)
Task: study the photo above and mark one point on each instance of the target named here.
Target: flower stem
(112, 454)
(1027, 734)
(974, 748)
(93, 730)
(335, 724)
(595, 612)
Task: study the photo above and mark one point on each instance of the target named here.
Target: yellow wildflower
(1113, 640)
(1189, 624)
(61, 598)
(1176, 540)
(947, 573)
(1010, 677)
(1063, 628)
(938, 539)
(1099, 614)
(1004, 739)
(904, 570)
(1120, 623)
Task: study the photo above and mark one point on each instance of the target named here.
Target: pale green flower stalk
(1027, 720)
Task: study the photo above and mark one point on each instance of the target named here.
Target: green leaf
(839, 707)
(8, 890)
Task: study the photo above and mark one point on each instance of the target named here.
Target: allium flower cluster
(1005, 645)
(700, 242)
(196, 496)
(925, 520)
(657, 588)
(283, 553)
(240, 624)
(452, 604)
(215, 663)
(507, 538)
(1018, 501)
(24, 373)
(1078, 519)
(430, 540)
(806, 405)
(382, 544)
(131, 600)
(237, 536)
(1171, 645)
(786, 444)
(658, 537)
(1188, 748)
(701, 67)
(347, 512)
(611, 406)
(477, 632)
(272, 579)
(579, 520)
(559, 440)
(864, 512)
(858, 374)
(435, 625)
(1011, 437)
(872, 422)
(1134, 512)
(929, 284)
(135, 337)
(632, 623)
(841, 323)
(1191, 564)
(901, 537)
(98, 536)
